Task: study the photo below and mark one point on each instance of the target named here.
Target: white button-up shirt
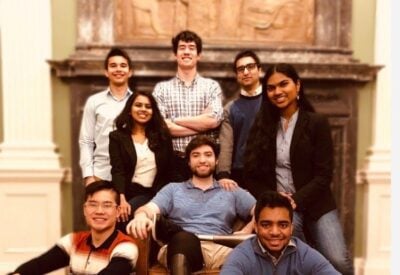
(99, 114)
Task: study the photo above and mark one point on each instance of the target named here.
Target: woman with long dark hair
(290, 150)
(140, 153)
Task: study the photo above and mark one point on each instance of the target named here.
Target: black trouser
(187, 244)
(179, 242)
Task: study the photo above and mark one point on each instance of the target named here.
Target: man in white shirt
(98, 117)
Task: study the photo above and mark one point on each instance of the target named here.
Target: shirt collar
(273, 258)
(106, 244)
(190, 185)
(257, 92)
(127, 94)
(292, 119)
(180, 81)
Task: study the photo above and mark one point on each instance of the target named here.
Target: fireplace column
(376, 175)
(30, 173)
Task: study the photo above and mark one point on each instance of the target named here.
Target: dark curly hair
(187, 36)
(266, 121)
(201, 140)
(156, 129)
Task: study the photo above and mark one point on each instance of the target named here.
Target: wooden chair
(143, 265)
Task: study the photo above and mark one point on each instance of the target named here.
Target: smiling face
(274, 229)
(248, 73)
(141, 110)
(187, 55)
(282, 91)
(118, 71)
(202, 161)
(101, 211)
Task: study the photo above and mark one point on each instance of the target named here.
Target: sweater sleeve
(51, 260)
(118, 265)
(236, 264)
(226, 145)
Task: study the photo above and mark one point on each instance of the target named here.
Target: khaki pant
(214, 254)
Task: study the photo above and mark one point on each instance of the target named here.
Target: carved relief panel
(216, 20)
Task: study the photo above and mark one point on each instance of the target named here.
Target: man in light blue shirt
(98, 117)
(198, 206)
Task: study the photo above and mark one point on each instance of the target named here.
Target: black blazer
(123, 162)
(311, 157)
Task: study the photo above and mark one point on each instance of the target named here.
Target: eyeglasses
(249, 67)
(94, 205)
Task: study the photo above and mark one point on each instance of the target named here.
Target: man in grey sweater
(273, 250)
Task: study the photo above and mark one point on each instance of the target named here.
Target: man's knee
(187, 244)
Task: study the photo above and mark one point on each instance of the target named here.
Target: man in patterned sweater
(102, 250)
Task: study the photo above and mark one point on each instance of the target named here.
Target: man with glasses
(102, 250)
(190, 103)
(238, 117)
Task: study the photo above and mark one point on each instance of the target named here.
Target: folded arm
(178, 130)
(200, 123)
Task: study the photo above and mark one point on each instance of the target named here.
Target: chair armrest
(226, 240)
(143, 261)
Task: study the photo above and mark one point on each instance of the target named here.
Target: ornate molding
(158, 61)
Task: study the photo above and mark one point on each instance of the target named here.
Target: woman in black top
(290, 150)
(140, 153)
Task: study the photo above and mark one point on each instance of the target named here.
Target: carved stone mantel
(150, 60)
(324, 61)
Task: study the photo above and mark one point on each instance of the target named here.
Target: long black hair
(266, 122)
(156, 129)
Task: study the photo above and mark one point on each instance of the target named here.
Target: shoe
(179, 265)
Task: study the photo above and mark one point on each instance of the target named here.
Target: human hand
(207, 110)
(125, 209)
(139, 226)
(228, 184)
(89, 180)
(289, 196)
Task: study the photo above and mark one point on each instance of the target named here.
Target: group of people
(151, 161)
